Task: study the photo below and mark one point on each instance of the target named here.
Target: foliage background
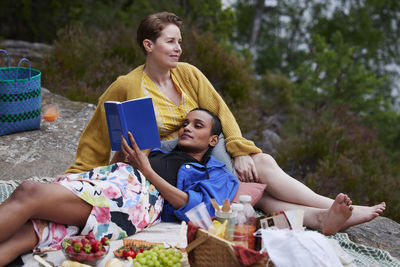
(326, 69)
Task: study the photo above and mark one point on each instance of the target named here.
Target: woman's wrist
(118, 157)
(149, 173)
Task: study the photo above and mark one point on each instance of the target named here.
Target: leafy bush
(277, 92)
(227, 72)
(332, 152)
(36, 21)
(85, 61)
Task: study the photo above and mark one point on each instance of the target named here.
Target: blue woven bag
(19, 98)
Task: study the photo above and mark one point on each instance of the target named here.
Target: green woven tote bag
(19, 98)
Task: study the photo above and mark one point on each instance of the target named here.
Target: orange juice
(251, 238)
(50, 117)
(240, 235)
(50, 112)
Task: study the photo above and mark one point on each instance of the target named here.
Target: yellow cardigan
(94, 145)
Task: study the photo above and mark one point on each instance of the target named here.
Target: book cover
(295, 218)
(292, 219)
(136, 116)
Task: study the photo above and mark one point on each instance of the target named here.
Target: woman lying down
(121, 199)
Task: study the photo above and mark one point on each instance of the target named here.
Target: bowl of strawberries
(85, 249)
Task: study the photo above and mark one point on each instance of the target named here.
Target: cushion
(255, 190)
(219, 151)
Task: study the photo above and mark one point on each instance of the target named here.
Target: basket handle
(8, 57)
(29, 63)
(197, 242)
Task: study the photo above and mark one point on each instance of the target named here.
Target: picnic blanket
(363, 255)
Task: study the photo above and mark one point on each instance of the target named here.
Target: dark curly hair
(217, 126)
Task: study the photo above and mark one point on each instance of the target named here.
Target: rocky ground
(49, 151)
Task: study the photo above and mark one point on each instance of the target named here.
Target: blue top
(192, 178)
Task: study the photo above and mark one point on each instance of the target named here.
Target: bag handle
(8, 57)
(29, 63)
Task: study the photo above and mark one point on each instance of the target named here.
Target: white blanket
(288, 248)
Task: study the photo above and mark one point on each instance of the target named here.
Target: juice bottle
(240, 233)
(230, 226)
(251, 219)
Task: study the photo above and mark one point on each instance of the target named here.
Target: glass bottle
(240, 233)
(251, 219)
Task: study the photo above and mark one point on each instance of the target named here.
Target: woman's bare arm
(118, 157)
(138, 159)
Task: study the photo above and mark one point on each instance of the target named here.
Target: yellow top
(169, 115)
(94, 146)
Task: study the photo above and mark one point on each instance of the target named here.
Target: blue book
(136, 116)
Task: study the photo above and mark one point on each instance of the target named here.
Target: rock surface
(49, 151)
(382, 233)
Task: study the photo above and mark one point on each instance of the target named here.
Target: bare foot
(337, 215)
(362, 214)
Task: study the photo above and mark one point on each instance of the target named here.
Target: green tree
(333, 75)
(334, 51)
(89, 54)
(36, 21)
(333, 152)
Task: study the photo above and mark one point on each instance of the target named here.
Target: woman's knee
(264, 160)
(26, 192)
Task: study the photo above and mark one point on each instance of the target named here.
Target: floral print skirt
(123, 201)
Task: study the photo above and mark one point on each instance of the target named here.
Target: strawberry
(91, 258)
(96, 245)
(131, 254)
(87, 248)
(85, 241)
(90, 236)
(67, 242)
(82, 256)
(105, 241)
(124, 252)
(70, 250)
(99, 254)
(77, 245)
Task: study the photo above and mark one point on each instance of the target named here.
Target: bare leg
(362, 214)
(328, 221)
(283, 187)
(33, 200)
(23, 240)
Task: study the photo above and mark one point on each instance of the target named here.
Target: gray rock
(382, 233)
(49, 151)
(19, 49)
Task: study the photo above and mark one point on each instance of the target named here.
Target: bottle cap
(245, 198)
(236, 207)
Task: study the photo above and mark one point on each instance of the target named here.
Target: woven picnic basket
(19, 98)
(210, 250)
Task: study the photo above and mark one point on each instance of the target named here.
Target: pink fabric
(255, 190)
